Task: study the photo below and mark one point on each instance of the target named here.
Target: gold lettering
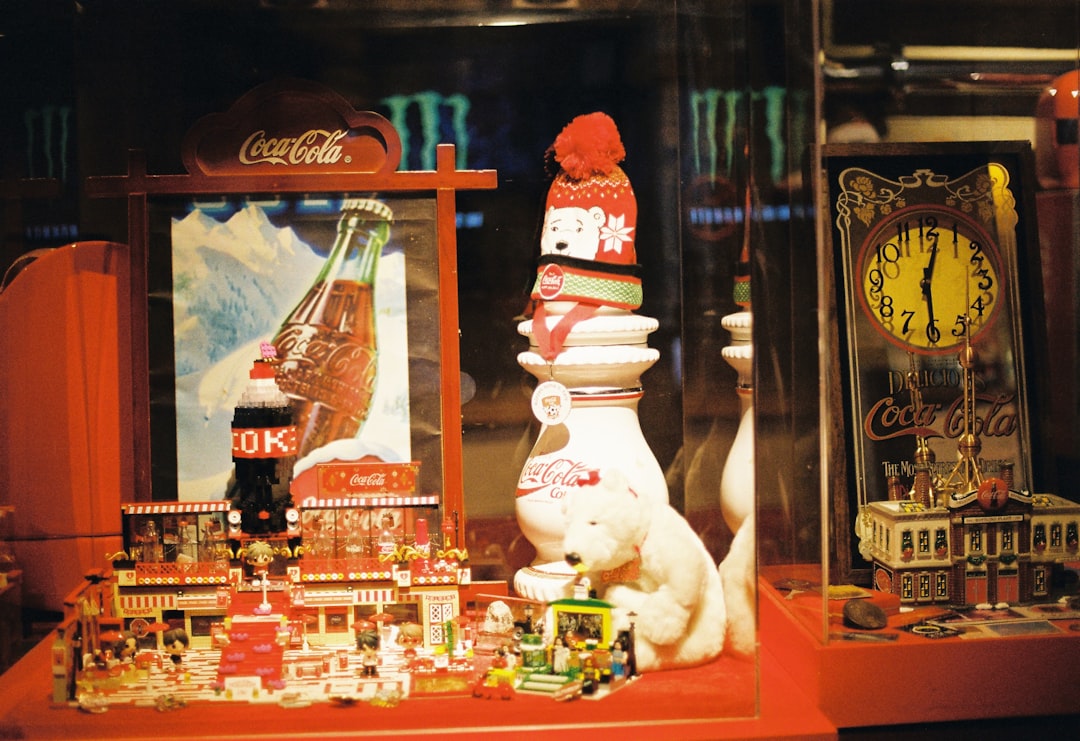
(314, 146)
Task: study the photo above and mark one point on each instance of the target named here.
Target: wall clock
(922, 271)
(932, 250)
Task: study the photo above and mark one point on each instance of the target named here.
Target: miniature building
(973, 550)
(340, 560)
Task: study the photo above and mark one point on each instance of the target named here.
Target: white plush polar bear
(643, 557)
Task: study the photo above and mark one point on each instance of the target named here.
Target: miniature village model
(965, 537)
(341, 599)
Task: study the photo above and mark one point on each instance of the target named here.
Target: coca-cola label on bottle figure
(550, 476)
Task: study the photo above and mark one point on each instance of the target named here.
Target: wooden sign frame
(295, 137)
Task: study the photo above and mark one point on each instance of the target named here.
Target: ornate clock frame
(888, 396)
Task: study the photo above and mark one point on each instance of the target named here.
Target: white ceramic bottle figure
(599, 429)
(587, 350)
(737, 481)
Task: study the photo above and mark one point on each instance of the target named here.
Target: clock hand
(928, 273)
(932, 332)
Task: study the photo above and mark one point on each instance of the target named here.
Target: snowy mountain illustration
(234, 281)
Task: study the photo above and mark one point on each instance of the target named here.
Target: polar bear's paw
(661, 622)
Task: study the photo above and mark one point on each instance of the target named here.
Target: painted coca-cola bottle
(327, 345)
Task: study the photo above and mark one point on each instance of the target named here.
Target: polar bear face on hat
(572, 231)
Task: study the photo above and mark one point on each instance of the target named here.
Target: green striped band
(565, 283)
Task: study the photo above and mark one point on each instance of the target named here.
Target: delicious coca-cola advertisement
(326, 280)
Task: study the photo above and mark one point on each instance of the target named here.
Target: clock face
(924, 271)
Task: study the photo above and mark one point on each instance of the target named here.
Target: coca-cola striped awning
(371, 596)
(391, 501)
(175, 508)
(356, 596)
(144, 601)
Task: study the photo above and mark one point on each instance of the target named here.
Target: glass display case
(907, 415)
(715, 131)
(738, 118)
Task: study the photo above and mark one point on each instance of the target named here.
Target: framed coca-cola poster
(293, 239)
(341, 285)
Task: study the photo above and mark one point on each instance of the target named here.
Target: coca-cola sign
(292, 127)
(367, 479)
(311, 147)
(550, 285)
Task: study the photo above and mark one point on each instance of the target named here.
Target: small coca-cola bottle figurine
(263, 451)
(386, 544)
(327, 344)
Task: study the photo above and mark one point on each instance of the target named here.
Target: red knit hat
(587, 247)
(588, 151)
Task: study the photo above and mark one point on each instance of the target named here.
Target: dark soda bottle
(327, 345)
(263, 451)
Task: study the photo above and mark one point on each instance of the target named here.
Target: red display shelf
(686, 704)
(913, 679)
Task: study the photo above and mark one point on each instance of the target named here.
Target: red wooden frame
(361, 152)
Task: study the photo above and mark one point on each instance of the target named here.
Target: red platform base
(687, 704)
(913, 679)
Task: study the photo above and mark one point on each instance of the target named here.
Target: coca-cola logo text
(314, 146)
(371, 480)
(340, 358)
(556, 475)
(551, 282)
(995, 416)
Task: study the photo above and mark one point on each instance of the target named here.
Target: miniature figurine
(125, 649)
(583, 588)
(590, 676)
(259, 554)
(175, 641)
(368, 643)
(502, 659)
(560, 660)
(618, 661)
(410, 636)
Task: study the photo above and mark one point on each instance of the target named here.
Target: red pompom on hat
(589, 145)
(588, 151)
